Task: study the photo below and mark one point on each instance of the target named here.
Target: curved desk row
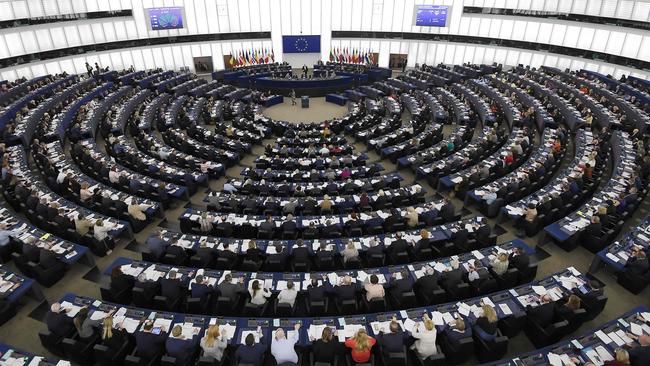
(311, 87)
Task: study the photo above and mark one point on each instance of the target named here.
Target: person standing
(293, 97)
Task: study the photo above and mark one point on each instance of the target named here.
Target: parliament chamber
(324, 182)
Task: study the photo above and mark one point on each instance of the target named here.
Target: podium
(304, 101)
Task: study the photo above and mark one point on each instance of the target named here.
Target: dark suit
(391, 342)
(288, 226)
(201, 290)
(346, 292)
(398, 287)
(452, 278)
(250, 354)
(318, 293)
(149, 288)
(171, 288)
(542, 314)
(520, 261)
(59, 324)
(636, 265)
(181, 349)
(48, 260)
(428, 283)
(397, 247)
(149, 344)
(230, 290)
(300, 255)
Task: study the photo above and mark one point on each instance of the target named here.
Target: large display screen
(431, 15)
(165, 18)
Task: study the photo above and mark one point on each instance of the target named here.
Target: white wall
(166, 56)
(298, 59)
(292, 17)
(433, 53)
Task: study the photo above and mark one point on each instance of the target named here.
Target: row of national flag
(348, 55)
(251, 57)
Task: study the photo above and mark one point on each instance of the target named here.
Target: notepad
(636, 329)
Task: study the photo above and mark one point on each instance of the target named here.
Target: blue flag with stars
(301, 44)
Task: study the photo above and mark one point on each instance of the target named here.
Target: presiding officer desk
(312, 87)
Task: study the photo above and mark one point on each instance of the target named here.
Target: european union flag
(301, 44)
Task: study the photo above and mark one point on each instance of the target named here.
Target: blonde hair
(489, 313)
(460, 324)
(424, 233)
(327, 334)
(361, 340)
(503, 257)
(107, 332)
(622, 355)
(573, 302)
(211, 335)
(428, 324)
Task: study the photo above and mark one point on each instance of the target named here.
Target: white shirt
(324, 151)
(136, 211)
(101, 232)
(61, 177)
(113, 176)
(288, 296)
(260, 297)
(283, 350)
(425, 342)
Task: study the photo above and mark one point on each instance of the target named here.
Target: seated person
(200, 288)
(373, 289)
(567, 309)
(346, 290)
(350, 253)
(326, 349)
(280, 255)
(85, 325)
(637, 263)
(258, 294)
(179, 347)
(229, 289)
(288, 295)
(214, 343)
(113, 338)
(425, 338)
(283, 349)
(453, 276)
(172, 286)
(640, 355)
(500, 263)
(399, 283)
(486, 324)
(519, 259)
(58, 321)
(253, 253)
(394, 341)
(543, 313)
(119, 281)
(360, 345)
(621, 358)
(149, 343)
(457, 330)
(251, 352)
(590, 293)
(399, 246)
(429, 282)
(157, 245)
(477, 274)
